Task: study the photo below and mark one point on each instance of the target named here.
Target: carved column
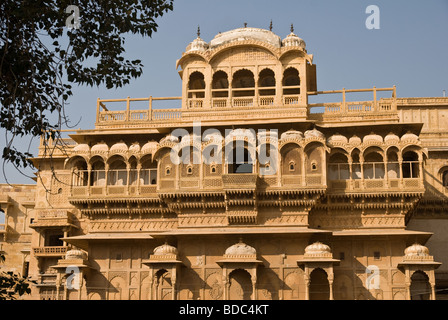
(407, 283)
(330, 282)
(139, 168)
(303, 160)
(174, 283)
(254, 284)
(106, 178)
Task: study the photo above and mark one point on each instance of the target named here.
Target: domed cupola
(198, 44)
(314, 133)
(337, 140)
(391, 138)
(292, 40)
(416, 251)
(101, 147)
(165, 249)
(75, 254)
(409, 137)
(373, 138)
(81, 148)
(355, 141)
(240, 249)
(318, 250)
(240, 253)
(119, 147)
(291, 134)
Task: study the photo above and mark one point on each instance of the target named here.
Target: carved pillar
(303, 160)
(407, 283)
(139, 168)
(58, 285)
(174, 283)
(89, 178)
(350, 172)
(254, 284)
(128, 177)
(307, 287)
(106, 178)
(330, 282)
(361, 164)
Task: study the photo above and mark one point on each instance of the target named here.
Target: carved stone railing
(50, 251)
(239, 180)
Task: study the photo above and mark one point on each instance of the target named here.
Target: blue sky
(410, 50)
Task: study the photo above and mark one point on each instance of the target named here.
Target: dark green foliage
(12, 284)
(40, 57)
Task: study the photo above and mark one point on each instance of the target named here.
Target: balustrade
(398, 175)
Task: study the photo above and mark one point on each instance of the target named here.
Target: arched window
(291, 157)
(243, 83)
(220, 85)
(196, 85)
(393, 166)
(266, 83)
(410, 165)
(338, 168)
(98, 173)
(291, 82)
(356, 165)
(148, 171)
(373, 165)
(239, 159)
(80, 174)
(445, 178)
(117, 174)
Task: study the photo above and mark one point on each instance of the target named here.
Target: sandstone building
(350, 205)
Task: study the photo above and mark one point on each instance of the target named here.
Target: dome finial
(270, 26)
(245, 24)
(292, 28)
(199, 31)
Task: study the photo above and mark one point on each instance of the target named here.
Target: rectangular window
(376, 255)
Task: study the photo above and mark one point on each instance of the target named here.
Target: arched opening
(291, 82)
(117, 173)
(239, 159)
(80, 173)
(319, 285)
(356, 165)
(148, 171)
(243, 84)
(338, 168)
(164, 287)
(196, 85)
(133, 170)
(266, 87)
(444, 178)
(98, 173)
(196, 90)
(420, 287)
(190, 162)
(240, 285)
(393, 166)
(291, 162)
(410, 165)
(220, 85)
(313, 154)
(373, 165)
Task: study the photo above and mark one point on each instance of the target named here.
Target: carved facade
(342, 209)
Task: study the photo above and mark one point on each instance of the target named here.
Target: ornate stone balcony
(58, 251)
(53, 218)
(240, 181)
(383, 109)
